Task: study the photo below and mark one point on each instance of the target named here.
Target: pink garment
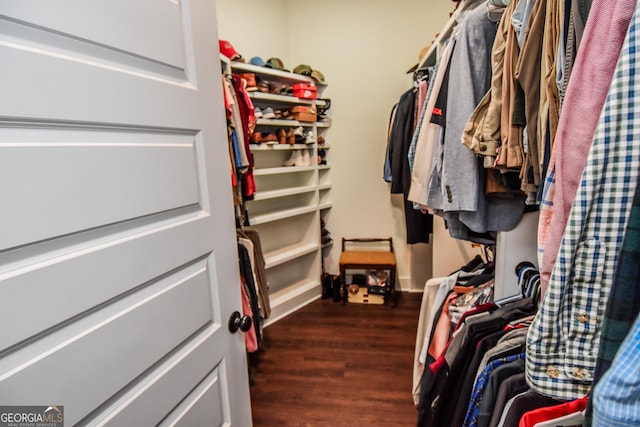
(588, 86)
(250, 337)
(422, 96)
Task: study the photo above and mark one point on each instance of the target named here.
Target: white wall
(364, 49)
(255, 28)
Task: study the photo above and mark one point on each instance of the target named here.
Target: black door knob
(237, 321)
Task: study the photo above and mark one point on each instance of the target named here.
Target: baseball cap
(275, 63)
(256, 60)
(228, 50)
(317, 75)
(303, 69)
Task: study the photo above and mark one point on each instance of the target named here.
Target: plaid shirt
(563, 341)
(616, 402)
(479, 386)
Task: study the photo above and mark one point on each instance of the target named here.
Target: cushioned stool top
(367, 258)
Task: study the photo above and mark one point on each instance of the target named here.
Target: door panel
(154, 397)
(118, 259)
(161, 39)
(88, 179)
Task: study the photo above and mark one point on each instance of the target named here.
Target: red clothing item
(531, 418)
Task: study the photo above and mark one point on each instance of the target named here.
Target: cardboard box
(303, 113)
(364, 297)
(305, 91)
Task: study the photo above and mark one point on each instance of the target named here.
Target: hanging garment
(260, 271)
(427, 135)
(616, 398)
(564, 337)
(535, 416)
(489, 398)
(624, 301)
(471, 419)
(523, 403)
(250, 289)
(437, 406)
(482, 132)
(583, 102)
(418, 225)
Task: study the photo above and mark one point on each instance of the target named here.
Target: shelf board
(327, 245)
(279, 147)
(323, 124)
(324, 206)
(280, 99)
(291, 298)
(288, 253)
(282, 123)
(324, 187)
(282, 170)
(275, 216)
(324, 167)
(274, 194)
(266, 71)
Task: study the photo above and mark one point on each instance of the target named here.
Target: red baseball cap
(228, 50)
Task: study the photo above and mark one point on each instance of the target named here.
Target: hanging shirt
(564, 337)
(586, 93)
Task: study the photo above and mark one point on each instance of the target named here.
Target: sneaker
(268, 113)
(309, 138)
(257, 112)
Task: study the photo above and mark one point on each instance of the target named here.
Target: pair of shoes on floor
(298, 158)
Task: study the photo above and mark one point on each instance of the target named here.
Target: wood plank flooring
(334, 365)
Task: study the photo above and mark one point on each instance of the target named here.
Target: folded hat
(275, 63)
(256, 60)
(317, 75)
(303, 69)
(228, 50)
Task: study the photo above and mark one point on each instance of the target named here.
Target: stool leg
(392, 277)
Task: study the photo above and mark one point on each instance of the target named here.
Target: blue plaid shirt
(563, 340)
(616, 401)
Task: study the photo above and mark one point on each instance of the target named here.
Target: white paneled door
(118, 257)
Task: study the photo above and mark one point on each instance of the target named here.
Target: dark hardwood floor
(334, 365)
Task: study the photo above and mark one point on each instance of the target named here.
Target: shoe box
(303, 113)
(305, 91)
(364, 297)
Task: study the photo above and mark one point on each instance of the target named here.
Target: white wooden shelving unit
(289, 200)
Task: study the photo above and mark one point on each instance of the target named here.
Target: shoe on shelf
(256, 138)
(321, 140)
(295, 159)
(257, 112)
(268, 113)
(291, 138)
(309, 137)
(281, 134)
(263, 86)
(250, 79)
(269, 138)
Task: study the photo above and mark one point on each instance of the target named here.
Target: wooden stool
(369, 259)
